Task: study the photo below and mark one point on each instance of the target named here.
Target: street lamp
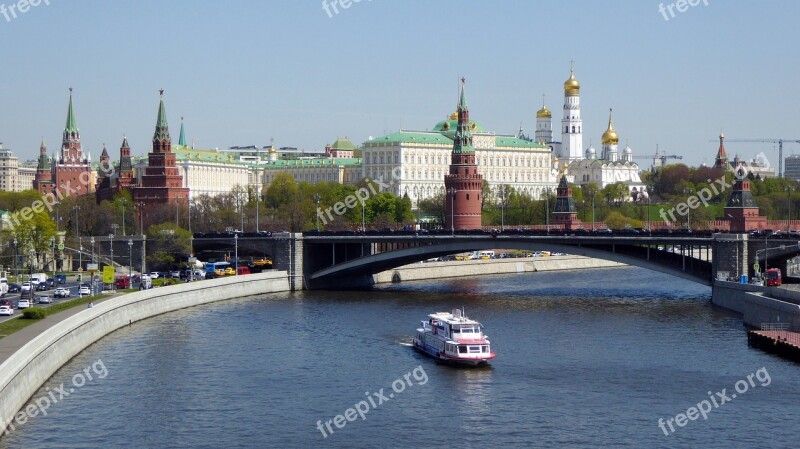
(92, 249)
(53, 249)
(32, 253)
(316, 199)
(547, 210)
(144, 247)
(502, 208)
(130, 263)
(76, 209)
(123, 215)
(236, 253)
(16, 274)
(111, 245)
(593, 193)
(788, 207)
(258, 198)
(452, 191)
(688, 191)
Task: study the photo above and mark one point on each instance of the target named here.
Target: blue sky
(243, 72)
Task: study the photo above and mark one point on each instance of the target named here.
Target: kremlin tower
(43, 180)
(571, 124)
(564, 213)
(721, 161)
(161, 181)
(463, 184)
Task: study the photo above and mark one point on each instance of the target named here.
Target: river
(590, 358)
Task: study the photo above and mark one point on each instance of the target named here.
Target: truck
(774, 276)
(3, 286)
(37, 278)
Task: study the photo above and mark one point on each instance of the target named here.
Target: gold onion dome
(610, 137)
(544, 113)
(571, 86)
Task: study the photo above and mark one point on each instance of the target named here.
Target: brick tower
(43, 180)
(564, 213)
(742, 210)
(161, 182)
(463, 184)
(72, 171)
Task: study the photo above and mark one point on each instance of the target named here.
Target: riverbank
(469, 268)
(35, 353)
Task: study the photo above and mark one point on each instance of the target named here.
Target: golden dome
(454, 116)
(544, 113)
(610, 137)
(571, 86)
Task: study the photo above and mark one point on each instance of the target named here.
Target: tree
(168, 246)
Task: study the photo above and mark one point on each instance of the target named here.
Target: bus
(212, 267)
(774, 276)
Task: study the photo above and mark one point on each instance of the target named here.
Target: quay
(776, 338)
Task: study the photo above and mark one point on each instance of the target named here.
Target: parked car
(14, 288)
(243, 270)
(44, 299)
(175, 274)
(84, 290)
(154, 275)
(23, 304)
(61, 292)
(6, 311)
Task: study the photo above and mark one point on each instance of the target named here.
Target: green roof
(312, 163)
(449, 126)
(511, 141)
(162, 128)
(71, 126)
(413, 137)
(343, 143)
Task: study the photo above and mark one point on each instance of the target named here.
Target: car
(23, 304)
(61, 278)
(51, 282)
(41, 286)
(154, 275)
(25, 287)
(6, 302)
(175, 274)
(229, 271)
(84, 290)
(14, 288)
(61, 292)
(44, 299)
(6, 311)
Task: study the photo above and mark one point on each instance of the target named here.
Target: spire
(43, 147)
(721, 161)
(162, 128)
(462, 141)
(182, 137)
(610, 137)
(125, 141)
(71, 127)
(104, 154)
(462, 101)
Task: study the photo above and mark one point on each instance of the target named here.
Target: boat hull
(456, 361)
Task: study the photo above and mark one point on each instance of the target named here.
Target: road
(14, 297)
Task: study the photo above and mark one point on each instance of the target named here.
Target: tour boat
(454, 338)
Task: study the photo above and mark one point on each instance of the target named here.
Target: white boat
(454, 338)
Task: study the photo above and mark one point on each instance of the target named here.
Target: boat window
(485, 349)
(474, 349)
(462, 349)
(456, 330)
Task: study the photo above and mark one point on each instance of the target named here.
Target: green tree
(168, 246)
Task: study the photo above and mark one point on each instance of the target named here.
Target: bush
(162, 282)
(33, 314)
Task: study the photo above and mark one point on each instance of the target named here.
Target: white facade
(415, 162)
(15, 177)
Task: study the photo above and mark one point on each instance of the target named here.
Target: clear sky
(243, 72)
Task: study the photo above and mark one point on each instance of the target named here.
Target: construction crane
(778, 141)
(656, 157)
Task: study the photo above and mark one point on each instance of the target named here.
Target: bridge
(349, 260)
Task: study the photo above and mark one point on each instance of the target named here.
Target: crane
(663, 157)
(778, 141)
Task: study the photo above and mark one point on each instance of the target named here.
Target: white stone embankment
(27, 369)
(438, 270)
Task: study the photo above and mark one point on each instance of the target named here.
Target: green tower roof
(162, 128)
(182, 137)
(71, 126)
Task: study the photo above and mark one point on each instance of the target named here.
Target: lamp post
(592, 192)
(123, 215)
(649, 228)
(53, 249)
(130, 263)
(316, 199)
(236, 253)
(16, 274)
(92, 249)
(788, 207)
(547, 209)
(258, 201)
(32, 253)
(76, 209)
(688, 191)
(111, 245)
(452, 191)
(144, 253)
(363, 218)
(502, 208)
(58, 217)
(140, 205)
